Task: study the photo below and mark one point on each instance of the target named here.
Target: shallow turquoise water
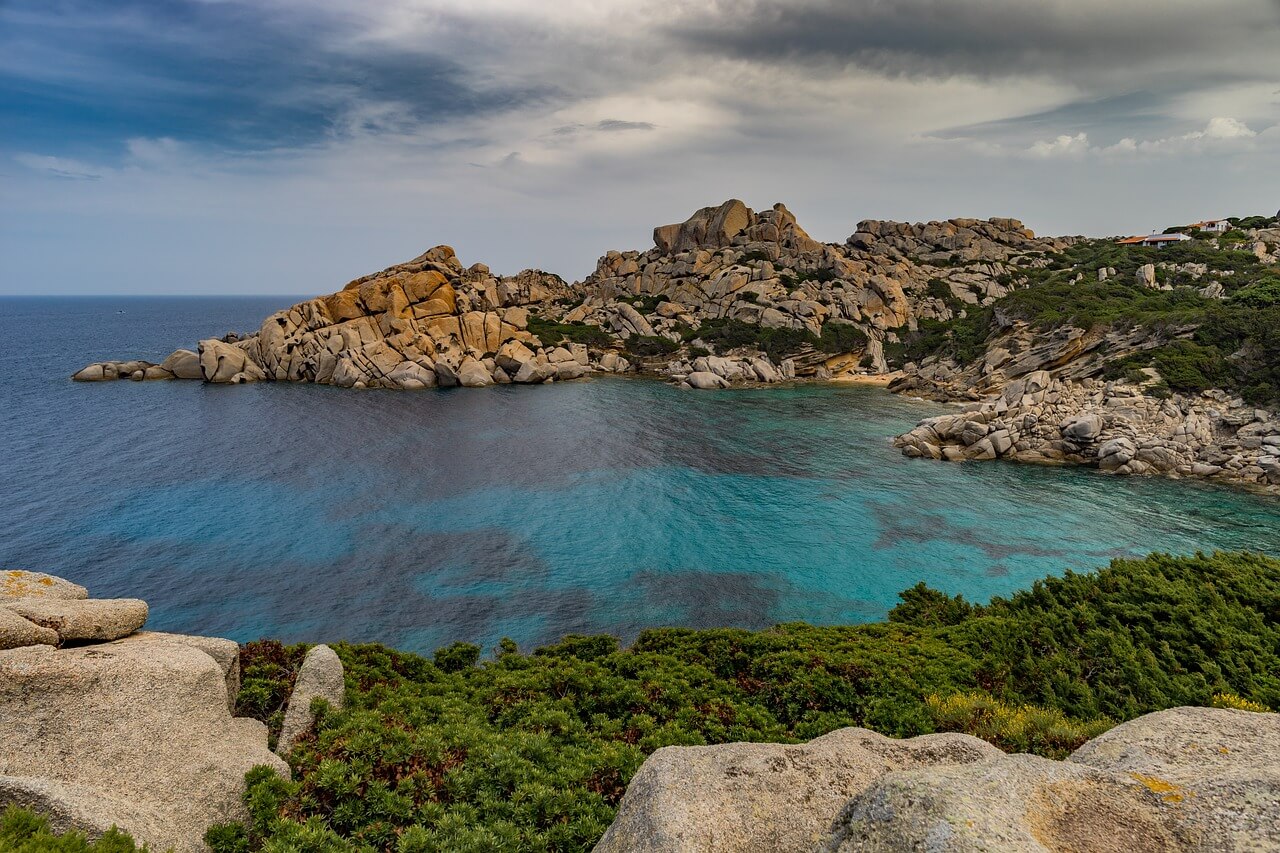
(601, 506)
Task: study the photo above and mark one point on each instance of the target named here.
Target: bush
(533, 752)
(552, 334)
(22, 831)
(650, 346)
(1022, 728)
(778, 344)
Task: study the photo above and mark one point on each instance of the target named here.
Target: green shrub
(650, 346)
(841, 337)
(1014, 728)
(777, 344)
(552, 334)
(22, 831)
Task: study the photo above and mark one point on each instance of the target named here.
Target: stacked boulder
(1184, 779)
(103, 724)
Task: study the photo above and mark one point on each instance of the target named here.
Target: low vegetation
(552, 333)
(22, 831)
(532, 751)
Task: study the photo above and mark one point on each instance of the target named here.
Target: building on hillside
(1156, 240)
(1218, 226)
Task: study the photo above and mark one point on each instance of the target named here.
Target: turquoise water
(608, 505)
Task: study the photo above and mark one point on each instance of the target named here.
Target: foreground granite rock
(751, 796)
(19, 583)
(123, 728)
(135, 732)
(1190, 779)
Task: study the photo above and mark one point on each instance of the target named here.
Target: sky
(286, 147)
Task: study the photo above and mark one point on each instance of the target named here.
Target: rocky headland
(959, 310)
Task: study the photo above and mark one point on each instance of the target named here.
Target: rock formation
(430, 322)
(102, 724)
(762, 796)
(1184, 779)
(421, 324)
(1040, 397)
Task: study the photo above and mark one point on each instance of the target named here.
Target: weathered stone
(16, 632)
(473, 374)
(226, 653)
(19, 583)
(82, 619)
(749, 797)
(1010, 803)
(705, 380)
(134, 733)
(319, 677)
(183, 364)
(223, 363)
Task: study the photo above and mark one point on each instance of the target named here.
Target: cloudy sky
(286, 146)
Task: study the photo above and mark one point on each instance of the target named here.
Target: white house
(1218, 226)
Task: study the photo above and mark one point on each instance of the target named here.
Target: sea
(609, 505)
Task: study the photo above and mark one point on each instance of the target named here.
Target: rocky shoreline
(1112, 426)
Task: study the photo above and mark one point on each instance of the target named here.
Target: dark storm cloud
(76, 73)
(989, 38)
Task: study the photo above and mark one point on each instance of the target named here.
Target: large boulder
(19, 583)
(225, 653)
(1187, 779)
(183, 364)
(1220, 767)
(134, 732)
(1012, 803)
(221, 362)
(319, 677)
(76, 620)
(708, 228)
(749, 796)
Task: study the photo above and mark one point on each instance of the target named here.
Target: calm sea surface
(610, 505)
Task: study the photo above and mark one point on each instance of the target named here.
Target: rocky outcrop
(102, 725)
(319, 677)
(1187, 779)
(755, 796)
(431, 323)
(425, 323)
(1112, 426)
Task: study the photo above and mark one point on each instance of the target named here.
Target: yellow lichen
(1168, 791)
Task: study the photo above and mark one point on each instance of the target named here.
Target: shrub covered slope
(1201, 342)
(533, 751)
